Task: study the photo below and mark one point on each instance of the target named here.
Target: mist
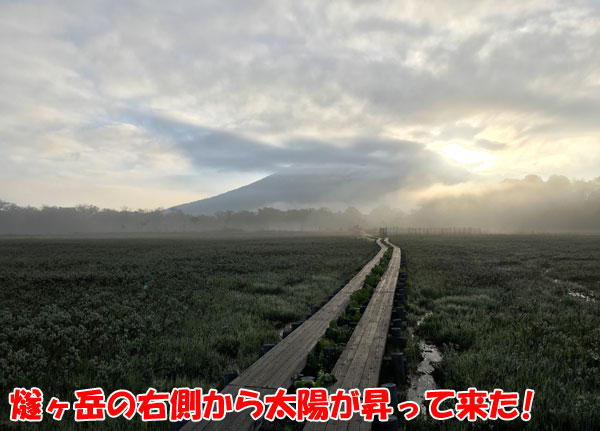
(527, 205)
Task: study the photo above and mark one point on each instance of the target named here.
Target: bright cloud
(479, 160)
(107, 102)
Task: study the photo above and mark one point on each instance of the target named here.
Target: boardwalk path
(279, 365)
(360, 363)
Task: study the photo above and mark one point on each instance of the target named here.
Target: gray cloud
(230, 151)
(231, 53)
(251, 86)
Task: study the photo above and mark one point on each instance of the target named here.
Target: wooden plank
(278, 366)
(359, 365)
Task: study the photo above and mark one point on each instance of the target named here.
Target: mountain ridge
(335, 188)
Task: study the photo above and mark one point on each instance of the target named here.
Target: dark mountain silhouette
(335, 188)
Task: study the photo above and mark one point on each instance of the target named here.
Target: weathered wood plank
(278, 366)
(359, 365)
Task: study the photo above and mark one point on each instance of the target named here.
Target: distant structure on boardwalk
(383, 232)
(436, 230)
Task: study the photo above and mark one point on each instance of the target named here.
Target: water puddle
(581, 296)
(422, 380)
(570, 288)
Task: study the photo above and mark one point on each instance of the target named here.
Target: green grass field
(509, 312)
(512, 312)
(75, 314)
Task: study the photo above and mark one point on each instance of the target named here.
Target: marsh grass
(75, 314)
(503, 318)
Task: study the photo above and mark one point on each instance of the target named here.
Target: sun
(478, 160)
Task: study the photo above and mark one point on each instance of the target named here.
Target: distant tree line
(90, 219)
(529, 205)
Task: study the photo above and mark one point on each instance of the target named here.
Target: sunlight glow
(478, 160)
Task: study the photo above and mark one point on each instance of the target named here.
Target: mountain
(333, 187)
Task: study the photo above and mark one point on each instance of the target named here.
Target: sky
(149, 104)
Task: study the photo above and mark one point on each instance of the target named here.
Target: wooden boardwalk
(360, 363)
(278, 367)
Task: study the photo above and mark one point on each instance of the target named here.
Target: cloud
(489, 145)
(145, 91)
(362, 173)
(230, 151)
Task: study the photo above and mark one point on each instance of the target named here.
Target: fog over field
(476, 113)
(513, 206)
